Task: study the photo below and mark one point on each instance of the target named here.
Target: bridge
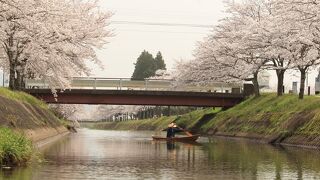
(124, 91)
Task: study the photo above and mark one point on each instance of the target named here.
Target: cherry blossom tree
(51, 39)
(161, 74)
(258, 35)
(103, 112)
(66, 111)
(300, 21)
(234, 51)
(275, 47)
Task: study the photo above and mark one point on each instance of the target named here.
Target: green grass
(270, 114)
(15, 149)
(22, 97)
(187, 121)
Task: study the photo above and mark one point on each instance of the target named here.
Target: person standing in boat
(173, 129)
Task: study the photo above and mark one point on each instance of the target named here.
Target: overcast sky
(175, 41)
(188, 21)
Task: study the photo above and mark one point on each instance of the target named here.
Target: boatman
(172, 130)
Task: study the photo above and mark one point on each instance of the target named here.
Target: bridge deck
(139, 97)
(128, 84)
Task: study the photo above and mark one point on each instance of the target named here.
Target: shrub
(15, 149)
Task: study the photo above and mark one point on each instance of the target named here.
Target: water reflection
(170, 145)
(259, 161)
(92, 154)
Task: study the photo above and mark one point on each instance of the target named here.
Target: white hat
(171, 125)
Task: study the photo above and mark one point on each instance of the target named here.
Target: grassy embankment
(22, 97)
(16, 149)
(192, 121)
(268, 118)
(274, 119)
(20, 112)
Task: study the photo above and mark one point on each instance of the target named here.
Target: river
(97, 154)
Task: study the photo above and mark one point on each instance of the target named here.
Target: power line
(174, 32)
(162, 24)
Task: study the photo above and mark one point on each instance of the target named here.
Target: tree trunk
(12, 71)
(280, 75)
(256, 84)
(12, 63)
(20, 77)
(16, 75)
(12, 80)
(302, 82)
(19, 81)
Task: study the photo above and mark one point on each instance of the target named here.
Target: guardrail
(128, 84)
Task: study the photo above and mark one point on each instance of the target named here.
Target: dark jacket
(171, 131)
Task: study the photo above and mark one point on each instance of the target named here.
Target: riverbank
(192, 121)
(272, 119)
(25, 121)
(269, 119)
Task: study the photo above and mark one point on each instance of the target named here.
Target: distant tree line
(148, 112)
(158, 111)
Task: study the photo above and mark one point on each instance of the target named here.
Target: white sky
(174, 42)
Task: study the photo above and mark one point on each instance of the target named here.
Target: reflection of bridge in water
(146, 92)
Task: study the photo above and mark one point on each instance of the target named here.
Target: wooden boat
(184, 138)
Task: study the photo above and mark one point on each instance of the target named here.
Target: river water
(96, 154)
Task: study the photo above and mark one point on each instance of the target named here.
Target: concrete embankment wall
(37, 122)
